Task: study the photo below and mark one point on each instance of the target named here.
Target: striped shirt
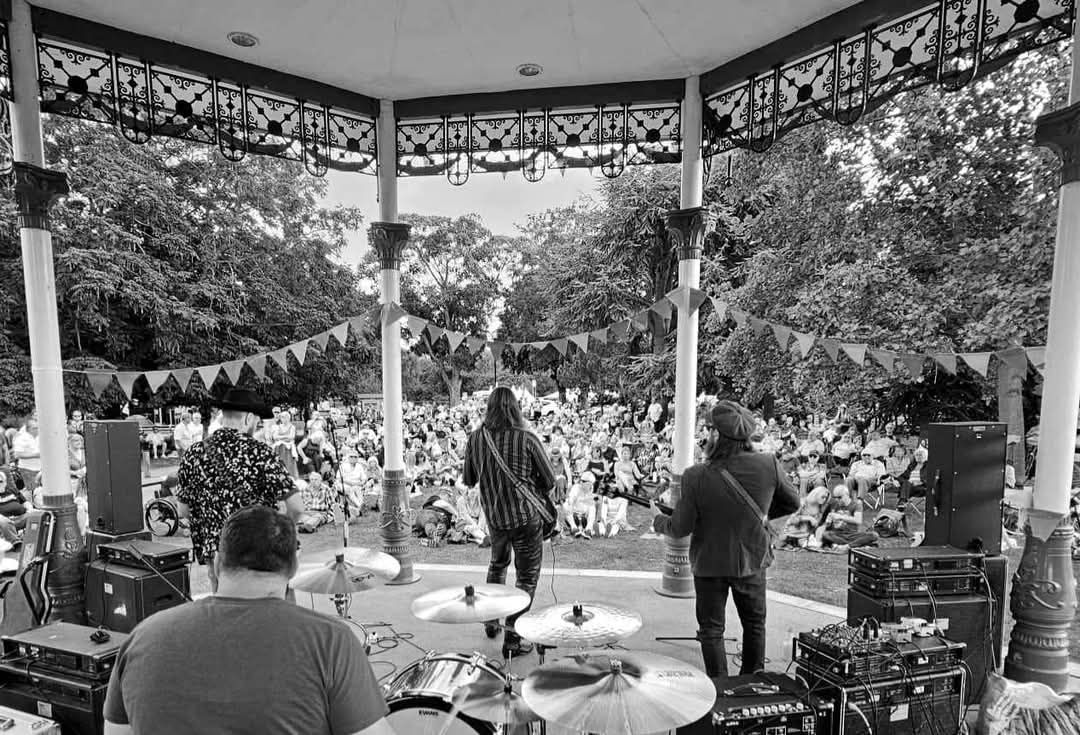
(504, 507)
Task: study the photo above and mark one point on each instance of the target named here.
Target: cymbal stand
(342, 497)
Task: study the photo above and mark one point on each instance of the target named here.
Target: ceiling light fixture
(242, 39)
(530, 70)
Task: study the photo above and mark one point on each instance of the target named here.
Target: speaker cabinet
(113, 476)
(965, 479)
(119, 597)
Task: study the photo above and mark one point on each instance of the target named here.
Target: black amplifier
(77, 703)
(842, 654)
(903, 561)
(78, 649)
(145, 555)
(765, 703)
(923, 586)
(901, 705)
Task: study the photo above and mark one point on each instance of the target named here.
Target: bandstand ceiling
(400, 49)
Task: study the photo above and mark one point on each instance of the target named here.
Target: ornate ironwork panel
(144, 100)
(949, 43)
(607, 137)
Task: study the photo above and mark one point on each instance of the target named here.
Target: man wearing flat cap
(725, 508)
(231, 470)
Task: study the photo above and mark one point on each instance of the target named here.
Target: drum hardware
(472, 604)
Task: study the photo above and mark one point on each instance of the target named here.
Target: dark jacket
(727, 538)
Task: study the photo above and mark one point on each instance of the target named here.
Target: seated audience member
(315, 455)
(581, 505)
(469, 519)
(810, 473)
(612, 515)
(912, 482)
(318, 498)
(12, 505)
(627, 473)
(864, 474)
(800, 527)
(435, 519)
(353, 480)
(245, 660)
(842, 525)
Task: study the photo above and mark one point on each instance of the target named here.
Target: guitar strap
(517, 482)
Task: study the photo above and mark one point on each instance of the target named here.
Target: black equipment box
(78, 704)
(119, 597)
(66, 647)
(113, 476)
(900, 705)
(843, 659)
(145, 554)
(965, 483)
(903, 561)
(95, 539)
(765, 703)
(921, 586)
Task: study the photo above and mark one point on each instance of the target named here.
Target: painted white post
(388, 238)
(687, 228)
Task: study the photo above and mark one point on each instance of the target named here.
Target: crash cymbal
(578, 625)
(619, 692)
(473, 603)
(346, 572)
(495, 702)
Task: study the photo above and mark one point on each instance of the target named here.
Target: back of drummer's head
(258, 539)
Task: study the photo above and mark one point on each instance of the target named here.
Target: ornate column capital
(686, 230)
(1060, 132)
(388, 239)
(35, 190)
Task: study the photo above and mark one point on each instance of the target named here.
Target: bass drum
(421, 697)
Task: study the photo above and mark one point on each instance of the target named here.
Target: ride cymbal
(473, 603)
(578, 625)
(345, 571)
(621, 692)
(494, 702)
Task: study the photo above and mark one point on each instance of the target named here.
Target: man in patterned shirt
(230, 470)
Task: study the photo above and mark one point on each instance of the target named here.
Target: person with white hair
(581, 505)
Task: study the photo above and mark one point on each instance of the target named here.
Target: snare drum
(420, 697)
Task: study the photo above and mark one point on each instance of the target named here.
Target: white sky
(501, 202)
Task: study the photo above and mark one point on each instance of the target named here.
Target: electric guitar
(637, 498)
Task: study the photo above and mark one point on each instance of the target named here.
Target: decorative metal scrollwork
(949, 43)
(143, 100)
(608, 137)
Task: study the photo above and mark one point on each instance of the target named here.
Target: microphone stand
(341, 482)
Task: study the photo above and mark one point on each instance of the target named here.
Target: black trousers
(527, 544)
(711, 604)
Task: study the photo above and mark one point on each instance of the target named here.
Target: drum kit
(592, 689)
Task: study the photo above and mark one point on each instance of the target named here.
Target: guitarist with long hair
(516, 478)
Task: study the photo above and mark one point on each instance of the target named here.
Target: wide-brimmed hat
(242, 399)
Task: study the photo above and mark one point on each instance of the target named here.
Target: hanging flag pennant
(581, 340)
(474, 344)
(454, 339)
(640, 320)
(696, 298)
(758, 325)
(183, 377)
(321, 339)
(782, 334)
(257, 363)
(434, 332)
(886, 359)
(539, 346)
(600, 335)
(299, 350)
(857, 352)
(209, 374)
(831, 347)
(679, 298)
(1037, 355)
(391, 313)
(515, 348)
(659, 325)
(99, 382)
(913, 363)
(739, 316)
(360, 325)
(662, 307)
(619, 330)
(340, 333)
(281, 357)
(947, 360)
(156, 379)
(720, 308)
(233, 369)
(415, 324)
(497, 348)
(977, 361)
(560, 345)
(1016, 358)
(127, 382)
(804, 341)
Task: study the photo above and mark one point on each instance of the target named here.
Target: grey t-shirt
(229, 665)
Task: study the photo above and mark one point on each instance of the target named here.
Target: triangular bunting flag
(1016, 358)
(156, 379)
(539, 346)
(99, 382)
(415, 324)
(857, 352)
(475, 344)
(831, 347)
(581, 340)
(913, 363)
(640, 320)
(359, 325)
(1037, 355)
(183, 377)
(454, 339)
(515, 348)
(560, 345)
(696, 299)
(435, 332)
(679, 298)
(739, 316)
(340, 333)
(208, 374)
(947, 360)
(600, 335)
(783, 335)
(659, 324)
(233, 369)
(321, 339)
(804, 341)
(758, 325)
(720, 308)
(497, 348)
(127, 382)
(977, 361)
(662, 307)
(281, 357)
(257, 363)
(391, 313)
(619, 330)
(299, 350)
(886, 359)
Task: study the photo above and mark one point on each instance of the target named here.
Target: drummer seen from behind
(245, 660)
(725, 507)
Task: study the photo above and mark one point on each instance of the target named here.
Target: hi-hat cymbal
(619, 692)
(473, 603)
(578, 625)
(493, 701)
(345, 571)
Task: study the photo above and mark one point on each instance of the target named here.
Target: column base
(65, 583)
(395, 524)
(676, 579)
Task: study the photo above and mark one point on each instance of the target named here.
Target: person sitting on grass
(581, 505)
(800, 527)
(613, 514)
(318, 499)
(353, 480)
(627, 473)
(842, 527)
